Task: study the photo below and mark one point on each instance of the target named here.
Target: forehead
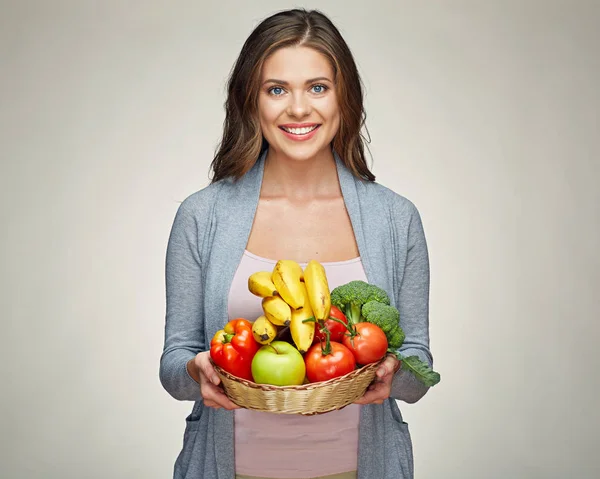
(296, 64)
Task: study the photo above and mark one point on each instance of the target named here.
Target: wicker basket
(306, 399)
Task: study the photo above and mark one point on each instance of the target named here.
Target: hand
(201, 369)
(381, 388)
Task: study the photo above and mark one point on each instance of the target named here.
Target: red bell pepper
(233, 348)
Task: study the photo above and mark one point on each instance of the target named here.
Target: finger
(388, 367)
(370, 397)
(215, 394)
(377, 393)
(212, 404)
(223, 400)
(228, 404)
(397, 364)
(207, 369)
(218, 399)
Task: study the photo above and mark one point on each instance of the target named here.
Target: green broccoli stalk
(350, 297)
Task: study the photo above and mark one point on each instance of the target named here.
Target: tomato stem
(341, 322)
(327, 349)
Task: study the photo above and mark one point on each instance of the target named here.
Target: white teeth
(300, 131)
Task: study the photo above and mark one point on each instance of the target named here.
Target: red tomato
(336, 329)
(321, 367)
(369, 345)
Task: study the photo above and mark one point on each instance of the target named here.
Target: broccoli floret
(350, 297)
(387, 318)
(377, 294)
(396, 338)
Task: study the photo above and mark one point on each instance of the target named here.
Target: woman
(291, 181)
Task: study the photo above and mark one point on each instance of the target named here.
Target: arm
(184, 325)
(413, 304)
(185, 368)
(412, 300)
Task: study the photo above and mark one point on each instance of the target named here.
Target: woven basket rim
(300, 387)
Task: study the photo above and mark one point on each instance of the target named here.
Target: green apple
(279, 364)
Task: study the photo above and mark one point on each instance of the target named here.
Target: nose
(299, 105)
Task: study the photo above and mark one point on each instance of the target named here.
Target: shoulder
(403, 216)
(399, 207)
(201, 203)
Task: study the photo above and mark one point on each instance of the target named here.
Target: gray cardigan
(208, 238)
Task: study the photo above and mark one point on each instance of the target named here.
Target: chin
(301, 152)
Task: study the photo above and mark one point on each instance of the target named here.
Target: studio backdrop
(482, 113)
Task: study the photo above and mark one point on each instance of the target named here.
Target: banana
(287, 277)
(277, 310)
(261, 284)
(302, 333)
(263, 330)
(318, 289)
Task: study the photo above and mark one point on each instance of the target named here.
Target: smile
(299, 131)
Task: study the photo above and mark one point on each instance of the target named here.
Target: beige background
(483, 113)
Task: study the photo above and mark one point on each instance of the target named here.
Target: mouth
(299, 130)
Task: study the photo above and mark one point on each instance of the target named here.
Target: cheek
(267, 112)
(333, 115)
(332, 108)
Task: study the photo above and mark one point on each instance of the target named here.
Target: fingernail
(215, 380)
(381, 372)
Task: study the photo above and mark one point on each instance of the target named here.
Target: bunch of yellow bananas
(290, 296)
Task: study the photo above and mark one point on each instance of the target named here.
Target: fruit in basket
(287, 276)
(277, 310)
(279, 364)
(328, 362)
(318, 289)
(367, 343)
(233, 348)
(303, 331)
(336, 329)
(261, 284)
(264, 331)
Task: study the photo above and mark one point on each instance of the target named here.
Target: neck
(300, 180)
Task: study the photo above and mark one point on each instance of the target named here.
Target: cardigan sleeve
(184, 324)
(413, 304)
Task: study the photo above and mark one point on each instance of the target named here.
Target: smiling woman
(290, 181)
(298, 102)
(299, 56)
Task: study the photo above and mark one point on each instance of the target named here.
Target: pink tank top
(292, 446)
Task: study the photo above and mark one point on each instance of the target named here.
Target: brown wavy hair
(242, 141)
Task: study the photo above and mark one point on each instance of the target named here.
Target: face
(297, 103)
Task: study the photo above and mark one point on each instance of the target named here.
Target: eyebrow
(283, 82)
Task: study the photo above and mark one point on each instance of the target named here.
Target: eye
(319, 88)
(276, 90)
